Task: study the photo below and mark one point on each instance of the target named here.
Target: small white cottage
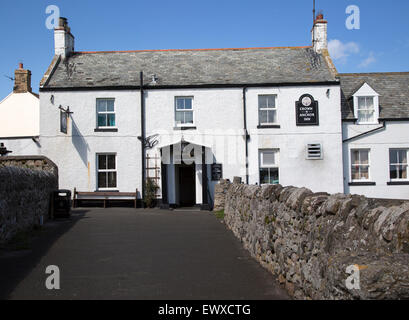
(20, 116)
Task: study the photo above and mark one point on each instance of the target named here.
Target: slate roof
(198, 67)
(393, 90)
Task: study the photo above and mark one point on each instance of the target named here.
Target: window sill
(106, 130)
(107, 190)
(185, 128)
(269, 126)
(361, 184)
(398, 183)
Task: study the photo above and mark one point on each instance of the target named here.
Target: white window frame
(184, 110)
(106, 170)
(276, 165)
(106, 113)
(399, 164)
(366, 92)
(267, 109)
(369, 164)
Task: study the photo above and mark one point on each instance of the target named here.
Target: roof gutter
(366, 133)
(198, 86)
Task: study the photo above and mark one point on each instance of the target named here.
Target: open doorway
(187, 185)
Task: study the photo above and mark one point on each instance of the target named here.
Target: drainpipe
(246, 134)
(142, 135)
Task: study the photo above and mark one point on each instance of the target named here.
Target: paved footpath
(123, 253)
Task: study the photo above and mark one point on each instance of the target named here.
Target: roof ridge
(210, 49)
(374, 73)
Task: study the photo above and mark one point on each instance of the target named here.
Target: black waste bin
(61, 203)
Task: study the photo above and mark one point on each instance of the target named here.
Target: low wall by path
(309, 240)
(24, 194)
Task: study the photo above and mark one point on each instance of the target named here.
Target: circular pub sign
(306, 110)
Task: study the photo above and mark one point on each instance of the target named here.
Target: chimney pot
(22, 80)
(320, 16)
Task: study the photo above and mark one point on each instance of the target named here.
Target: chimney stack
(22, 80)
(63, 39)
(319, 34)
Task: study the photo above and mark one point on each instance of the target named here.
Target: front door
(187, 186)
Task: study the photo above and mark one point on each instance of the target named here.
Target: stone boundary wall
(24, 193)
(309, 239)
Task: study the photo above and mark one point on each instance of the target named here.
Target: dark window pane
(111, 120)
(101, 105)
(180, 104)
(188, 103)
(102, 162)
(111, 179)
(102, 120)
(263, 116)
(274, 178)
(111, 162)
(189, 117)
(393, 156)
(179, 117)
(394, 172)
(271, 102)
(355, 172)
(264, 176)
(262, 101)
(102, 179)
(403, 156)
(271, 116)
(110, 105)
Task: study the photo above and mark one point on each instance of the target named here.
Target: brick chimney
(319, 34)
(63, 39)
(22, 80)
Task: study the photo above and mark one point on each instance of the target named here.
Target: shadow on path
(16, 265)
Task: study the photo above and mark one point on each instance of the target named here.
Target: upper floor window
(366, 105)
(184, 111)
(360, 164)
(366, 110)
(267, 109)
(107, 174)
(269, 167)
(398, 161)
(105, 113)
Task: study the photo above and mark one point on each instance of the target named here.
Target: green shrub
(150, 193)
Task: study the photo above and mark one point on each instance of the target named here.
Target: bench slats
(76, 193)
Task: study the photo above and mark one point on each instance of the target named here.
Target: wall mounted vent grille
(314, 152)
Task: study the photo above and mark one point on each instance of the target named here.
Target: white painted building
(20, 117)
(217, 106)
(204, 112)
(376, 134)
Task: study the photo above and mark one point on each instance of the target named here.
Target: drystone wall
(308, 240)
(24, 195)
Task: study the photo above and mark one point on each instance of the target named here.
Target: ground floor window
(107, 174)
(360, 164)
(398, 161)
(269, 167)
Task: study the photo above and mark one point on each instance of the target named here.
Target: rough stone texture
(24, 198)
(30, 162)
(220, 191)
(308, 240)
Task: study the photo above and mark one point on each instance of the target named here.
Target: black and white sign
(217, 171)
(306, 109)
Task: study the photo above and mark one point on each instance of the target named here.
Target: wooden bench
(104, 196)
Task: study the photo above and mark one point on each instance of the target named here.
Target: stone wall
(308, 240)
(24, 193)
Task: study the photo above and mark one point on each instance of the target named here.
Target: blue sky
(381, 43)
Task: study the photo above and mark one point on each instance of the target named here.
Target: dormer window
(366, 110)
(366, 105)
